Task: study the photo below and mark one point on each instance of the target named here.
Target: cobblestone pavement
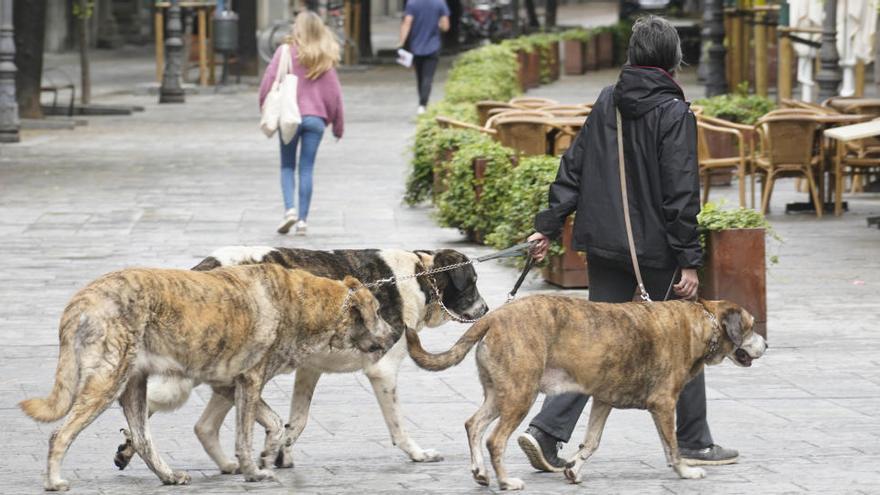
(166, 186)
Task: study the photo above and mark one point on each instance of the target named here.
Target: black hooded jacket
(660, 150)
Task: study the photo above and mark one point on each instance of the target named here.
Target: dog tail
(444, 360)
(60, 399)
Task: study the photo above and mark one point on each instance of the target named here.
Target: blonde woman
(314, 54)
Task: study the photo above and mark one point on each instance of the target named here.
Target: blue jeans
(310, 131)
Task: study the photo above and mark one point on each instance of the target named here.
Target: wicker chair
(448, 123)
(528, 132)
(567, 110)
(712, 165)
(787, 145)
(531, 102)
(486, 106)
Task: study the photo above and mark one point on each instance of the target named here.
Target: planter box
(591, 54)
(441, 173)
(605, 49)
(479, 168)
(735, 269)
(522, 73)
(575, 57)
(554, 61)
(533, 69)
(568, 270)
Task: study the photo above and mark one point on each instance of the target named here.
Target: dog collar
(714, 343)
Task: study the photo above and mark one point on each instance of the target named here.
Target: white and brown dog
(409, 303)
(630, 355)
(232, 328)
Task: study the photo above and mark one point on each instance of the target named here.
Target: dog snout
(477, 310)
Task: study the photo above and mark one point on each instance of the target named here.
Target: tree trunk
(365, 43)
(85, 75)
(29, 19)
(550, 13)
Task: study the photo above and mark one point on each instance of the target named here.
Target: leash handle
(626, 219)
(507, 253)
(522, 276)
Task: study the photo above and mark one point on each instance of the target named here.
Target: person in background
(660, 146)
(314, 54)
(420, 32)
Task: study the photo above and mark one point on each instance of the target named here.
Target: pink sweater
(321, 97)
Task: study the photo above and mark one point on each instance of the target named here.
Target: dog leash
(626, 219)
(510, 252)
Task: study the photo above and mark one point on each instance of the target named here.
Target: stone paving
(167, 186)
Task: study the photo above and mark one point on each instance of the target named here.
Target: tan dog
(630, 355)
(232, 326)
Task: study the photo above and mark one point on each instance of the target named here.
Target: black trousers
(425, 66)
(615, 282)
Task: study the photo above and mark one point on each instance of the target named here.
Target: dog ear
(732, 322)
(459, 276)
(352, 283)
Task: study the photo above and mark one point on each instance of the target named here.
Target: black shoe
(714, 455)
(542, 450)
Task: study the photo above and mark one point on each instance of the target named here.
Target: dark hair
(654, 43)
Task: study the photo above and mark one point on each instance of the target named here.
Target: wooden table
(841, 104)
(204, 10)
(844, 135)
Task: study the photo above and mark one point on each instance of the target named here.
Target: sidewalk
(166, 186)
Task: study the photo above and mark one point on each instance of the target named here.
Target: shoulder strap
(626, 219)
(283, 64)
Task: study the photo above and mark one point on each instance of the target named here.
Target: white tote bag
(280, 109)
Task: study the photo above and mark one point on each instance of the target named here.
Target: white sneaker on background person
(287, 223)
(301, 227)
(421, 110)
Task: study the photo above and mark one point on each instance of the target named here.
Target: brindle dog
(232, 326)
(630, 355)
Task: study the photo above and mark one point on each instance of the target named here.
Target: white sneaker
(287, 223)
(421, 110)
(301, 227)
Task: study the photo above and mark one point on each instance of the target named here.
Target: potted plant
(527, 194)
(574, 44)
(568, 268)
(478, 175)
(734, 265)
(430, 143)
(605, 47)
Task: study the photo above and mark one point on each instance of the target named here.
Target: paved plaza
(166, 186)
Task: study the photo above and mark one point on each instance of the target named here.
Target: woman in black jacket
(660, 150)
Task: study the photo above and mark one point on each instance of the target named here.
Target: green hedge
(739, 106)
(457, 206)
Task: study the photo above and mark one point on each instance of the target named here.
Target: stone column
(829, 75)
(171, 90)
(713, 36)
(9, 123)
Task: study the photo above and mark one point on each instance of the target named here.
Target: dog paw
(512, 484)
(178, 478)
(572, 475)
(57, 486)
(230, 467)
(429, 455)
(480, 476)
(691, 473)
(284, 459)
(122, 457)
(260, 475)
